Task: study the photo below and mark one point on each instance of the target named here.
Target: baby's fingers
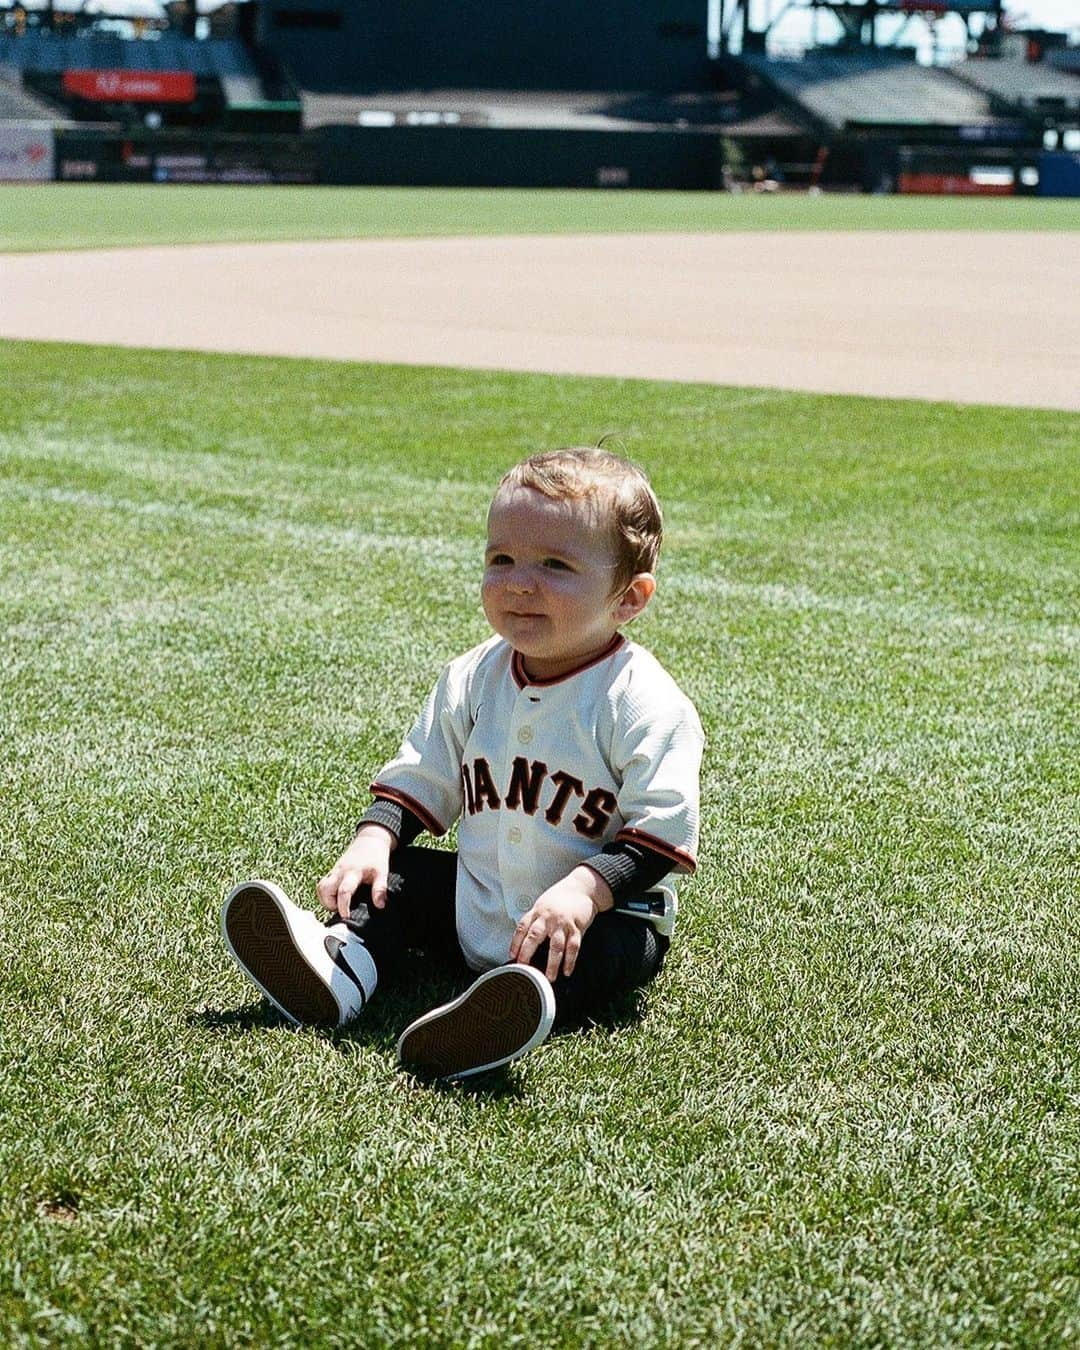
(556, 950)
(346, 888)
(570, 954)
(327, 888)
(519, 935)
(528, 935)
(379, 889)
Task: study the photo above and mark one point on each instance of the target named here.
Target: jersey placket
(514, 825)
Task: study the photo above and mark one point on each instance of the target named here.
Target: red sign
(952, 185)
(131, 86)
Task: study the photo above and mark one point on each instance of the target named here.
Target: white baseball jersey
(543, 773)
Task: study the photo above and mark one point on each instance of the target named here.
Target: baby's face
(548, 573)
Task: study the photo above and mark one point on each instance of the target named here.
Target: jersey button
(514, 834)
(525, 735)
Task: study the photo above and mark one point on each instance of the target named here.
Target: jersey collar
(522, 680)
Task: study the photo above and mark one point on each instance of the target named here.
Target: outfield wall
(519, 157)
(418, 156)
(401, 156)
(100, 155)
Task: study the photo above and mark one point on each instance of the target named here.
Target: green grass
(60, 216)
(849, 1114)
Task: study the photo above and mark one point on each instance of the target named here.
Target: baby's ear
(635, 598)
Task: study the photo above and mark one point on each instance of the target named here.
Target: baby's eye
(499, 560)
(557, 565)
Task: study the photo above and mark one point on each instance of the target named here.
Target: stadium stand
(45, 53)
(475, 94)
(587, 110)
(1065, 58)
(1014, 85)
(19, 105)
(235, 88)
(845, 91)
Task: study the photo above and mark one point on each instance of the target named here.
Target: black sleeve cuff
(628, 869)
(392, 817)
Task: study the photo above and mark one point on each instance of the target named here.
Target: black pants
(618, 953)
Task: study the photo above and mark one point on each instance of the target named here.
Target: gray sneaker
(312, 973)
(501, 1016)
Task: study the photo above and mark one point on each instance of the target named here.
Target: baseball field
(847, 1113)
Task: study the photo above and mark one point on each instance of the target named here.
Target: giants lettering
(527, 782)
(595, 813)
(484, 786)
(565, 785)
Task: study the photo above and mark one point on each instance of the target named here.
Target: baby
(570, 760)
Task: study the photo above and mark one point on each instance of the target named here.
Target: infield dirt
(977, 318)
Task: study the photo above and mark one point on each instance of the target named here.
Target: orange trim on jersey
(522, 677)
(422, 814)
(685, 860)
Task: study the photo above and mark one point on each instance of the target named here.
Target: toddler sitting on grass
(570, 760)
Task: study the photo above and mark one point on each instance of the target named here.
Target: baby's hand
(365, 862)
(560, 916)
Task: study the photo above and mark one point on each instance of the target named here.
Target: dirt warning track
(983, 317)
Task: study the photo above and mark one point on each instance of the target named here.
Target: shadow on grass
(499, 1085)
(379, 1029)
(245, 1018)
(421, 984)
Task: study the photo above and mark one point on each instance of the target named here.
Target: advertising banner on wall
(93, 154)
(937, 6)
(131, 86)
(26, 152)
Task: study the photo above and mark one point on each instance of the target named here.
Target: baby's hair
(620, 490)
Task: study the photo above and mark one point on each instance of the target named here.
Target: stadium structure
(616, 93)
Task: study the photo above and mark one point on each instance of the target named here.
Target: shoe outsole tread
(264, 946)
(493, 1022)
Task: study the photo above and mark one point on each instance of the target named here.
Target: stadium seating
(45, 54)
(19, 105)
(851, 89)
(1021, 85)
(1065, 58)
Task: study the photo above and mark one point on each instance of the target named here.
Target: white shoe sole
(501, 1016)
(281, 949)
